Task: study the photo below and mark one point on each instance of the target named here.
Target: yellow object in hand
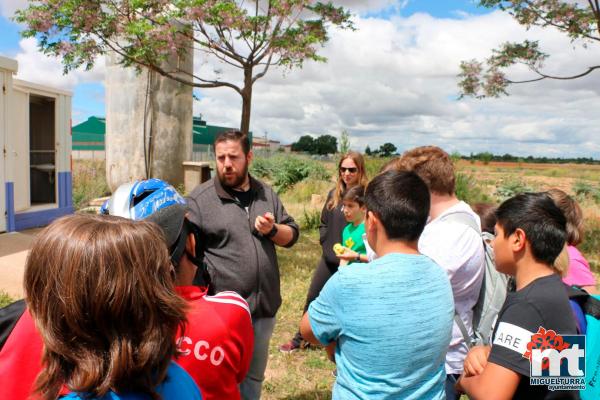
(338, 249)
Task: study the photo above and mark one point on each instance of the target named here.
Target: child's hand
(348, 255)
(476, 360)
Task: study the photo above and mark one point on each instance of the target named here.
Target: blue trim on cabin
(68, 188)
(65, 191)
(36, 219)
(10, 206)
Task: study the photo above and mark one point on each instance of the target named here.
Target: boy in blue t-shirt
(389, 335)
(354, 210)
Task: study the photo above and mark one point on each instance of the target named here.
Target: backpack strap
(589, 305)
(469, 341)
(464, 218)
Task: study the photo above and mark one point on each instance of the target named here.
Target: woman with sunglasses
(351, 172)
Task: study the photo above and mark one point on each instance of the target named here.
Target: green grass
(5, 299)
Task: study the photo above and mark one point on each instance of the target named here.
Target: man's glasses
(352, 170)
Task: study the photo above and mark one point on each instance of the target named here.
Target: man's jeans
(263, 330)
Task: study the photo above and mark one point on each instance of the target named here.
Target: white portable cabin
(35, 135)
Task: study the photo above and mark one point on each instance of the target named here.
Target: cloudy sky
(391, 80)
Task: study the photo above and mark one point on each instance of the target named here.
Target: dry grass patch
(301, 375)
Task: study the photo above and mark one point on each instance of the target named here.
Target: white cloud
(8, 7)
(34, 66)
(395, 80)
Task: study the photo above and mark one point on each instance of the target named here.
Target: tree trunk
(246, 100)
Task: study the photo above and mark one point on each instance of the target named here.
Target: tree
(486, 157)
(579, 20)
(344, 142)
(368, 150)
(248, 35)
(386, 150)
(325, 144)
(305, 143)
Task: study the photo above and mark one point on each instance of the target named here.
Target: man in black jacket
(241, 220)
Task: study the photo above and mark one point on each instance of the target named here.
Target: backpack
(9, 316)
(493, 288)
(586, 309)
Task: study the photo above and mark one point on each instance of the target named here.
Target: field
(308, 374)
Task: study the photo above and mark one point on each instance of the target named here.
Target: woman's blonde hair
(340, 186)
(100, 290)
(573, 214)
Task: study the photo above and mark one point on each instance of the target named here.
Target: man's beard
(236, 182)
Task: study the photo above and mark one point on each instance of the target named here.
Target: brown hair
(234, 136)
(340, 186)
(487, 215)
(573, 214)
(355, 194)
(391, 165)
(100, 290)
(561, 264)
(432, 164)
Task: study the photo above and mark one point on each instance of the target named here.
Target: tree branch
(558, 26)
(264, 71)
(216, 46)
(545, 76)
(171, 75)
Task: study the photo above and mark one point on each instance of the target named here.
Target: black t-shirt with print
(543, 303)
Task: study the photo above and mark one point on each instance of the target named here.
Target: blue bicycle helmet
(156, 201)
(141, 199)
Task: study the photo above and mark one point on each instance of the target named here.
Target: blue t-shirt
(392, 321)
(178, 385)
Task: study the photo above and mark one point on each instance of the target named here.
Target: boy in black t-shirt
(530, 233)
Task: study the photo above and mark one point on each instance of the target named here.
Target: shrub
(284, 172)
(583, 189)
(591, 244)
(311, 219)
(511, 188)
(261, 167)
(468, 190)
(5, 299)
(89, 182)
(374, 164)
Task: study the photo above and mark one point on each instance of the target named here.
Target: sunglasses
(352, 170)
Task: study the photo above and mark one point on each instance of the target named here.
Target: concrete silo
(148, 123)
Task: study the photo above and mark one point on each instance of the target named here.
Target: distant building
(88, 138)
(260, 143)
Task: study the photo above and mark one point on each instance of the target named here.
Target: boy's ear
(371, 221)
(518, 240)
(190, 244)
